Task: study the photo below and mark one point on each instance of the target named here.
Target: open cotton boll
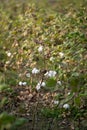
(40, 49)
(69, 93)
(24, 83)
(35, 71)
(7, 62)
(28, 75)
(38, 86)
(59, 82)
(43, 84)
(61, 54)
(51, 59)
(20, 83)
(8, 54)
(50, 73)
(66, 106)
(56, 102)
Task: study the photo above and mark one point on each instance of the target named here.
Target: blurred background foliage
(58, 25)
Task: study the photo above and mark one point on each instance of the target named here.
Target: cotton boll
(38, 86)
(61, 54)
(50, 73)
(28, 75)
(8, 54)
(40, 49)
(20, 83)
(56, 102)
(35, 71)
(24, 83)
(59, 82)
(51, 59)
(69, 93)
(66, 106)
(7, 62)
(43, 84)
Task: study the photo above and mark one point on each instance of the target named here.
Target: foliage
(34, 37)
(9, 122)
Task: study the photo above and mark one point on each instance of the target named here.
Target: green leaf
(6, 120)
(10, 121)
(77, 101)
(19, 122)
(51, 83)
(3, 101)
(74, 82)
(3, 87)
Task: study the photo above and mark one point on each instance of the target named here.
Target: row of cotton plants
(46, 50)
